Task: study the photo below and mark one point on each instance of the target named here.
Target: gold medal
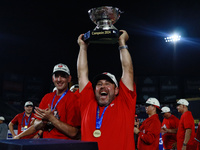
(25, 127)
(97, 133)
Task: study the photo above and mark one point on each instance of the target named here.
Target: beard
(28, 112)
(104, 102)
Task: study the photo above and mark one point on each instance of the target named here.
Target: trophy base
(110, 36)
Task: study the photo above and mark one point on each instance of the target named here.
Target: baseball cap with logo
(28, 103)
(154, 102)
(183, 102)
(165, 109)
(107, 76)
(61, 67)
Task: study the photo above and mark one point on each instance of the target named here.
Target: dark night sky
(36, 35)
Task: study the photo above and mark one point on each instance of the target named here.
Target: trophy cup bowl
(104, 33)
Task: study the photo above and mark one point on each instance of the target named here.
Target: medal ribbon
(99, 120)
(26, 123)
(52, 108)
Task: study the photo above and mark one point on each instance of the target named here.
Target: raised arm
(126, 61)
(82, 64)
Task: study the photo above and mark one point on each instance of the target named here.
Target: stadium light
(173, 38)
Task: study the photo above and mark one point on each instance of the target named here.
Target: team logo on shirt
(56, 114)
(143, 131)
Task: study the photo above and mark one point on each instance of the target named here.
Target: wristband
(184, 144)
(39, 134)
(123, 47)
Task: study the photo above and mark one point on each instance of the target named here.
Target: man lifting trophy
(104, 33)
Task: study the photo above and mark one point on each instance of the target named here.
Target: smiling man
(61, 104)
(107, 108)
(106, 88)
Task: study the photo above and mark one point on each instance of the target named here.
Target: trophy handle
(86, 37)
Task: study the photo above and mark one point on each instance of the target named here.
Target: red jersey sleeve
(15, 119)
(189, 121)
(86, 95)
(128, 95)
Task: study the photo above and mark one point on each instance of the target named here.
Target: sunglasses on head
(29, 105)
(178, 104)
(146, 105)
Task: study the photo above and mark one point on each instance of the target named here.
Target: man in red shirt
(198, 137)
(149, 131)
(107, 107)
(62, 104)
(169, 129)
(23, 120)
(186, 128)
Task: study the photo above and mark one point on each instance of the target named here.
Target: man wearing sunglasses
(149, 131)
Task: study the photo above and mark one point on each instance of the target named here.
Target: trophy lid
(104, 12)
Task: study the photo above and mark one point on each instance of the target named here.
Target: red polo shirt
(118, 120)
(66, 111)
(148, 138)
(186, 122)
(169, 138)
(20, 120)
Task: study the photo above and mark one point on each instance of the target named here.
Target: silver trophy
(105, 33)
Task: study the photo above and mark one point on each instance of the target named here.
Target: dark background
(36, 35)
